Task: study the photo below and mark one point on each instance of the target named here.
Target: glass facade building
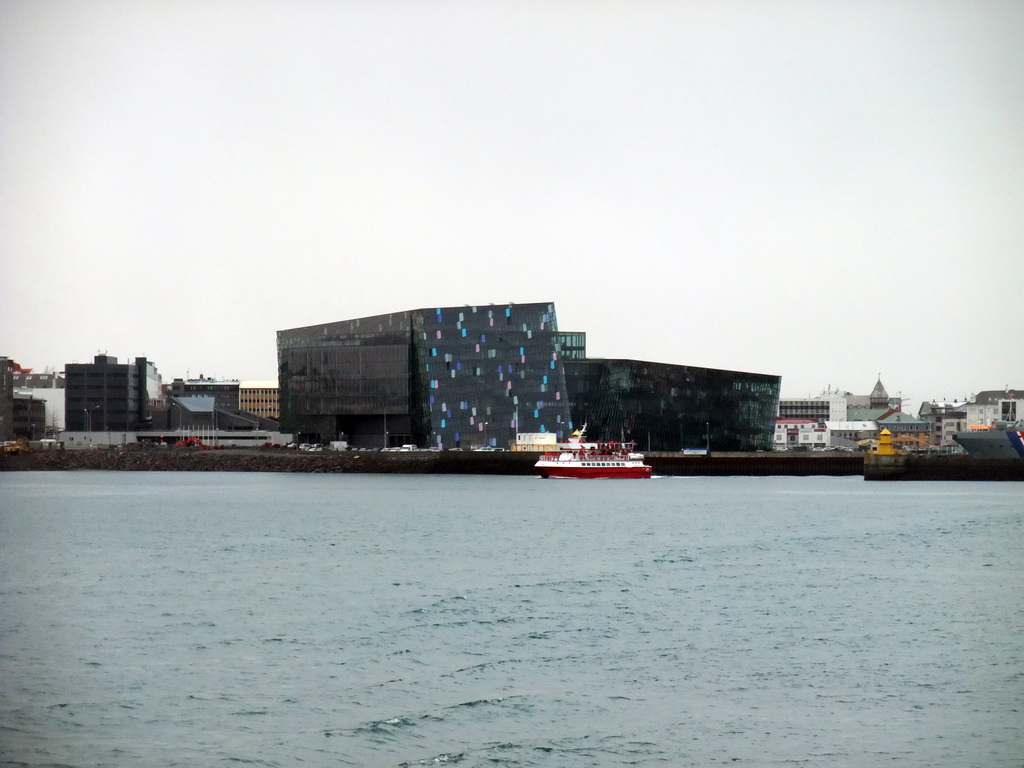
(445, 377)
(673, 407)
(474, 376)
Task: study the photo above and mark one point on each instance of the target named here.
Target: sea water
(203, 619)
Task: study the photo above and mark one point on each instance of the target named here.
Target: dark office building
(443, 377)
(105, 395)
(673, 407)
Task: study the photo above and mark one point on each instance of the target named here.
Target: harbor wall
(871, 467)
(756, 464)
(941, 467)
(177, 459)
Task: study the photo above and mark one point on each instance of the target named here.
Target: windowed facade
(260, 398)
(816, 409)
(105, 395)
(573, 345)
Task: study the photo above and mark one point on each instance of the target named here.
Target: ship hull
(992, 443)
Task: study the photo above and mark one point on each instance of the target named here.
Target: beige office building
(260, 397)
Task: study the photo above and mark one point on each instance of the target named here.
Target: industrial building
(475, 376)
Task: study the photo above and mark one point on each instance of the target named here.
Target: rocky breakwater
(176, 459)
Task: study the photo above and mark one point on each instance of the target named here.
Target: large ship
(604, 459)
(1001, 441)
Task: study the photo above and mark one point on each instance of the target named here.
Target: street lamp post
(88, 419)
(170, 424)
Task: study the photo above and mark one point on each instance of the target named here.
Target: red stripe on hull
(639, 472)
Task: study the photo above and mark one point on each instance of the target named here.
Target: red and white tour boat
(592, 460)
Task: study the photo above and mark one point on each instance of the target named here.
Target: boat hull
(565, 470)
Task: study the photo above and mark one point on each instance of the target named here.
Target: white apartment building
(806, 434)
(990, 406)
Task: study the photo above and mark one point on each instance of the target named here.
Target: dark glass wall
(348, 380)
(488, 372)
(673, 407)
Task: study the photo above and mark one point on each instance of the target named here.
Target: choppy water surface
(206, 619)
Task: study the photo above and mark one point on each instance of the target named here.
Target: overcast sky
(826, 191)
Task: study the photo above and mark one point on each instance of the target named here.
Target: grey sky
(819, 190)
